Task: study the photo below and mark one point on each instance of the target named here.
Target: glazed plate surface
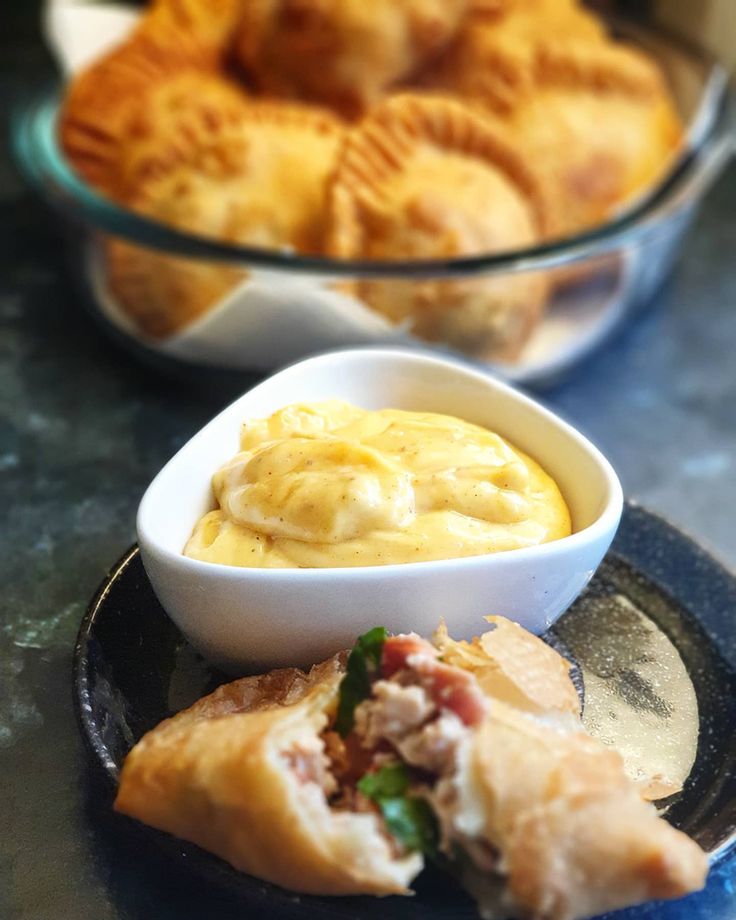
(654, 637)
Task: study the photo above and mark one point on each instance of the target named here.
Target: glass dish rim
(42, 161)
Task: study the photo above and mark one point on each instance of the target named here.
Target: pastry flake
(345, 54)
(427, 178)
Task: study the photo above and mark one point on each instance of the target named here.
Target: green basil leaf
(363, 663)
(391, 780)
(412, 821)
(409, 818)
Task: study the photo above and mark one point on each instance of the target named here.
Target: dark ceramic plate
(654, 636)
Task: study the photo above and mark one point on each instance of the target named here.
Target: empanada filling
(399, 752)
(421, 752)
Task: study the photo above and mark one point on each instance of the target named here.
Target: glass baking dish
(288, 305)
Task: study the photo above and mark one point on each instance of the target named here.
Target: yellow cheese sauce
(329, 484)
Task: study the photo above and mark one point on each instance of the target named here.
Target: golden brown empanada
(491, 61)
(209, 23)
(576, 835)
(600, 126)
(242, 774)
(345, 53)
(106, 102)
(336, 781)
(223, 184)
(182, 119)
(427, 178)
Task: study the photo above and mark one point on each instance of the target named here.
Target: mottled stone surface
(83, 429)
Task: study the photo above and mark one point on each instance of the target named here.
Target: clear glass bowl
(290, 305)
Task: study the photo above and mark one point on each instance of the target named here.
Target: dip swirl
(330, 485)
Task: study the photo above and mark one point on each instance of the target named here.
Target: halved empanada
(243, 774)
(342, 52)
(576, 836)
(340, 780)
(427, 178)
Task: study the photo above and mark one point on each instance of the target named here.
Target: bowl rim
(36, 146)
(602, 527)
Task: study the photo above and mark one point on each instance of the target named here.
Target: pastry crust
(173, 39)
(220, 181)
(577, 838)
(161, 293)
(182, 120)
(346, 53)
(602, 128)
(209, 23)
(515, 667)
(593, 115)
(225, 775)
(491, 62)
(424, 177)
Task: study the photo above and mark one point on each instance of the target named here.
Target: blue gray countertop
(83, 429)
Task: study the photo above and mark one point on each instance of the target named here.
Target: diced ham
(397, 649)
(455, 690)
(449, 687)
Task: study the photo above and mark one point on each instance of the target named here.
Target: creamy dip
(328, 484)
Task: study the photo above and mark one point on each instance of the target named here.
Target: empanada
(345, 53)
(340, 781)
(427, 178)
(208, 23)
(601, 127)
(222, 183)
(107, 101)
(243, 774)
(181, 120)
(491, 61)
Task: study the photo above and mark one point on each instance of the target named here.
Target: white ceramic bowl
(261, 618)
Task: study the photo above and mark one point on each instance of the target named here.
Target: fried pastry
(209, 23)
(491, 61)
(427, 178)
(345, 53)
(340, 781)
(252, 749)
(223, 184)
(601, 126)
(182, 119)
(103, 100)
(162, 293)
